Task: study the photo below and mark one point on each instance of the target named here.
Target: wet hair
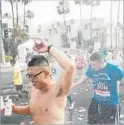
(38, 60)
(97, 56)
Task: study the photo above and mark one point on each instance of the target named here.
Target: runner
(48, 100)
(103, 107)
(80, 64)
(17, 77)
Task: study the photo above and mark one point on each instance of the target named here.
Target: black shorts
(101, 114)
(18, 87)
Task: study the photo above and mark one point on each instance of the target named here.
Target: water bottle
(8, 108)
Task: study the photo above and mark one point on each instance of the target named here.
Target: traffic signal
(6, 35)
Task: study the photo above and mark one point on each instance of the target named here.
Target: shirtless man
(48, 100)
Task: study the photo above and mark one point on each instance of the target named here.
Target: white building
(53, 32)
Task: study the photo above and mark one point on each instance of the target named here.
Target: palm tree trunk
(66, 41)
(13, 18)
(91, 23)
(65, 28)
(17, 18)
(81, 20)
(24, 15)
(117, 30)
(2, 56)
(111, 9)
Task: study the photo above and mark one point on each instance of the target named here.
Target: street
(81, 95)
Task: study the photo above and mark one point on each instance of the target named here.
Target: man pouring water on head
(48, 100)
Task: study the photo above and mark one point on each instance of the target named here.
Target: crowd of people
(52, 76)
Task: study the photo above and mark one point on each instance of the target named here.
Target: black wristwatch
(49, 47)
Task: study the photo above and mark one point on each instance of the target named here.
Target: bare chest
(46, 104)
(40, 103)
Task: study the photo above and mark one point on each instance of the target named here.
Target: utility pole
(2, 56)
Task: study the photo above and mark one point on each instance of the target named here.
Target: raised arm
(67, 75)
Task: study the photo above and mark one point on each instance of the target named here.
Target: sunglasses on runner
(33, 76)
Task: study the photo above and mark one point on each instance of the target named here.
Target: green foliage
(19, 33)
(7, 58)
(29, 14)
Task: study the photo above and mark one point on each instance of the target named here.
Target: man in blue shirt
(103, 107)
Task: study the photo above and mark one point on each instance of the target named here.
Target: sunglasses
(33, 76)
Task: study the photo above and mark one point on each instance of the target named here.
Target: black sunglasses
(33, 76)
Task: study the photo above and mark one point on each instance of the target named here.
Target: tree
(80, 2)
(92, 3)
(2, 57)
(117, 28)
(63, 9)
(12, 8)
(18, 34)
(25, 2)
(29, 14)
(111, 9)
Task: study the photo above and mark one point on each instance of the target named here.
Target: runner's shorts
(101, 113)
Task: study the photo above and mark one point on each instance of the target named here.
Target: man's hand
(41, 46)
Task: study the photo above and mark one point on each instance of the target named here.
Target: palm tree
(92, 3)
(63, 9)
(117, 30)
(12, 8)
(80, 2)
(17, 16)
(2, 57)
(111, 9)
(29, 14)
(25, 2)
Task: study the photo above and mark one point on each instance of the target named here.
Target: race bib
(102, 92)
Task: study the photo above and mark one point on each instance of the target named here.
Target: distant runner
(103, 107)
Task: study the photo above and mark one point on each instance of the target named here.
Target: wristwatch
(49, 47)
